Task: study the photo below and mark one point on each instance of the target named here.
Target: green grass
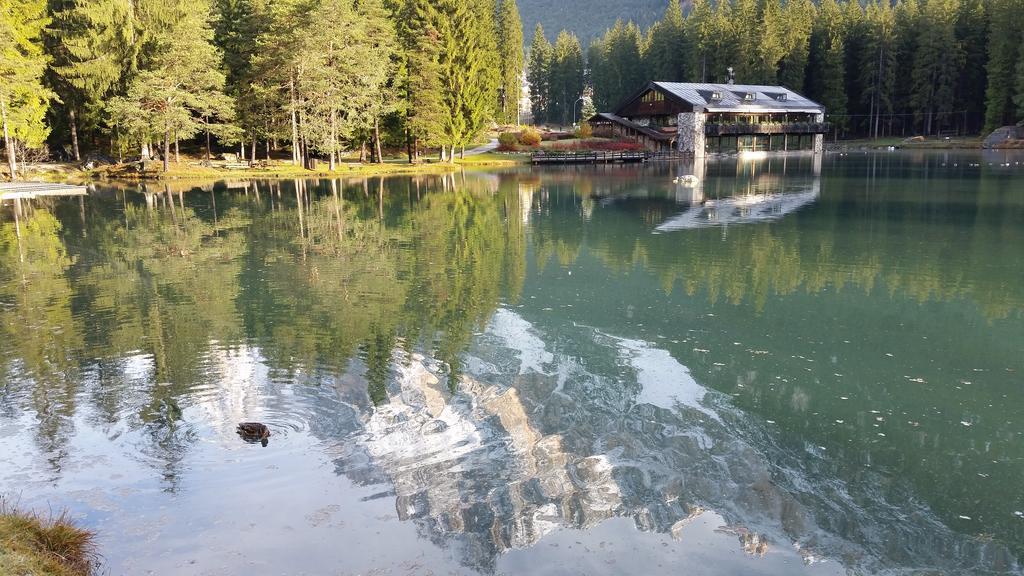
(31, 545)
(391, 166)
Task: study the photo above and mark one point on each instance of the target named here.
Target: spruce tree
(878, 63)
(539, 75)
(667, 54)
(421, 86)
(936, 64)
(566, 78)
(180, 83)
(23, 97)
(510, 47)
(799, 17)
(972, 35)
(826, 76)
(1002, 97)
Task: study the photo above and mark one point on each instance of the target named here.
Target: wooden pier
(31, 190)
(588, 157)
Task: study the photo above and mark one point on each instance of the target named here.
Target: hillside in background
(587, 18)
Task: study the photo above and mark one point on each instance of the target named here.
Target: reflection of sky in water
(601, 421)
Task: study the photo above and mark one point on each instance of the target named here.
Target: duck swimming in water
(254, 432)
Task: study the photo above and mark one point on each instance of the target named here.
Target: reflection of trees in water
(39, 345)
(127, 308)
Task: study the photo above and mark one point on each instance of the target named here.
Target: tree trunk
(408, 146)
(12, 163)
(241, 148)
(295, 123)
(443, 154)
(252, 156)
(268, 150)
(362, 151)
(206, 121)
(74, 134)
(376, 141)
(451, 155)
(177, 150)
(334, 140)
(167, 148)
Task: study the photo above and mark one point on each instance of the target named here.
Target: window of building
(716, 96)
(653, 96)
(750, 96)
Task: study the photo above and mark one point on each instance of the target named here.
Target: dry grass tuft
(34, 544)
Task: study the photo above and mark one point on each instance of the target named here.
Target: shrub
(585, 131)
(508, 142)
(508, 139)
(529, 137)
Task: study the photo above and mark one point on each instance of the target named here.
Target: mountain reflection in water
(826, 373)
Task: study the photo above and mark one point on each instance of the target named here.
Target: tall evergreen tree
(1005, 52)
(798, 17)
(878, 63)
(421, 49)
(826, 77)
(667, 54)
(619, 71)
(23, 97)
(180, 83)
(510, 47)
(936, 64)
(972, 35)
(566, 78)
(539, 75)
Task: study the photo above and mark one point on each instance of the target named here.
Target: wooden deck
(588, 157)
(30, 190)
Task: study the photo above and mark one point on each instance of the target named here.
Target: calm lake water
(796, 367)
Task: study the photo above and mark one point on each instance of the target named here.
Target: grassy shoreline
(34, 545)
(64, 172)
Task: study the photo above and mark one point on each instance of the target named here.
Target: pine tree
(666, 57)
(799, 17)
(23, 97)
(854, 41)
(972, 35)
(539, 74)
(878, 63)
(510, 47)
(1002, 98)
(826, 76)
(621, 71)
(566, 77)
(936, 64)
(180, 84)
(771, 45)
(908, 21)
(469, 80)
(421, 86)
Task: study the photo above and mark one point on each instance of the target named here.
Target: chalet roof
(649, 132)
(732, 97)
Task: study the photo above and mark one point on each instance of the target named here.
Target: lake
(794, 366)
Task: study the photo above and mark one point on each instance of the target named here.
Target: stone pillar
(819, 139)
(690, 132)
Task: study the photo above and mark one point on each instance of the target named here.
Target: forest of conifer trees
(881, 67)
(130, 78)
(319, 78)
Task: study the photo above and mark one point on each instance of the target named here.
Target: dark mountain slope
(587, 18)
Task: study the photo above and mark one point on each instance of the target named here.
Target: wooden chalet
(707, 118)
